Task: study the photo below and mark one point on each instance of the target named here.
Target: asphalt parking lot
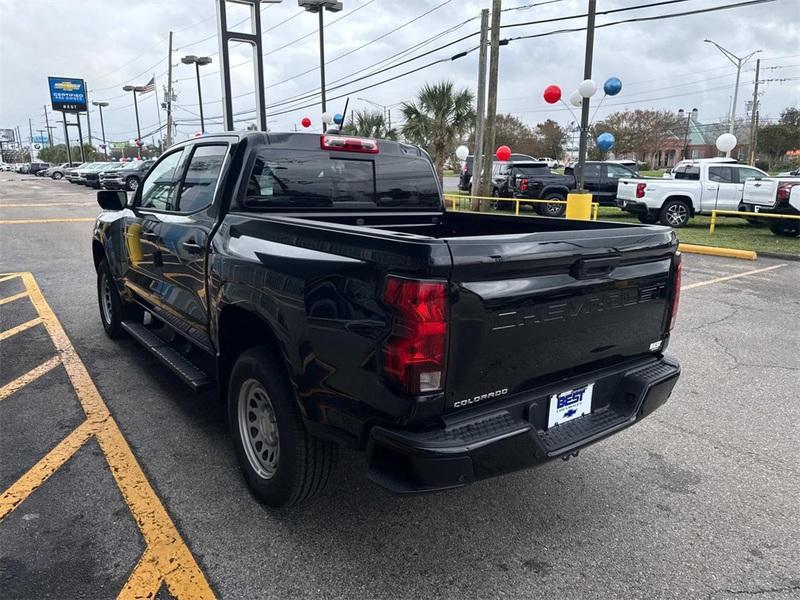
(116, 481)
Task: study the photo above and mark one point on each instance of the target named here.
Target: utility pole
(753, 111)
(30, 128)
(491, 109)
(168, 100)
(477, 158)
(755, 137)
(587, 74)
(49, 133)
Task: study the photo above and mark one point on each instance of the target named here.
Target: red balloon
(306, 122)
(552, 94)
(503, 153)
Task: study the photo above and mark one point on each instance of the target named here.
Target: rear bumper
(633, 207)
(502, 439)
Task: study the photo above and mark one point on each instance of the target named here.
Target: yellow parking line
(166, 558)
(727, 277)
(9, 276)
(29, 377)
(38, 221)
(19, 328)
(42, 470)
(8, 299)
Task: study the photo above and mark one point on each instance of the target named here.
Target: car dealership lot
(699, 501)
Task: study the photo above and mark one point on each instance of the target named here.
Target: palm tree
(440, 115)
(371, 124)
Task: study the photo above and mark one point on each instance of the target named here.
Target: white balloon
(587, 88)
(576, 99)
(462, 152)
(327, 118)
(726, 142)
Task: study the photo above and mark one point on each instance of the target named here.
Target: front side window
(745, 172)
(591, 170)
(200, 181)
(157, 189)
(618, 171)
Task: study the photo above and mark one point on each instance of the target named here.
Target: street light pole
(318, 6)
(737, 62)
(100, 105)
(135, 89)
(198, 61)
(587, 74)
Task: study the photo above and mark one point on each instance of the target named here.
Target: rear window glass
(313, 179)
(687, 173)
(532, 170)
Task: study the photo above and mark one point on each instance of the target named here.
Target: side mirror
(112, 199)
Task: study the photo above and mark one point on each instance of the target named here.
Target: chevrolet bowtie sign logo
(67, 86)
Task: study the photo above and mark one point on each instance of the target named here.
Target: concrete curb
(780, 256)
(715, 251)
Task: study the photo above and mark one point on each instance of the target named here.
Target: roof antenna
(344, 114)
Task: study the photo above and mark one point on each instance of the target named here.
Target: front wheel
(282, 463)
(674, 213)
(113, 309)
(57, 175)
(132, 184)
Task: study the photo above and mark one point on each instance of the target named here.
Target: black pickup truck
(319, 283)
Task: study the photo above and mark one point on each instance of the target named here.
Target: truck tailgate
(626, 188)
(760, 192)
(538, 308)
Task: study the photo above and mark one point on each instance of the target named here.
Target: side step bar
(193, 376)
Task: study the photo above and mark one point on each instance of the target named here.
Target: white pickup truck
(775, 195)
(696, 188)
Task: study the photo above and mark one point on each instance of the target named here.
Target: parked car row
(106, 175)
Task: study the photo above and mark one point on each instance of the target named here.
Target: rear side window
(284, 179)
(200, 181)
(692, 173)
(720, 174)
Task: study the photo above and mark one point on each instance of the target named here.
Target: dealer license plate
(569, 405)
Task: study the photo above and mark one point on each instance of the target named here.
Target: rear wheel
(282, 463)
(674, 213)
(113, 309)
(552, 210)
(784, 228)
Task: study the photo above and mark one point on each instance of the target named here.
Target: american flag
(150, 87)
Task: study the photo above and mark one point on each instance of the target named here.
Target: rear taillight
(784, 191)
(414, 355)
(640, 187)
(464, 168)
(676, 290)
(523, 184)
(348, 144)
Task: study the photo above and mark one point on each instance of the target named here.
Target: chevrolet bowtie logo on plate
(67, 86)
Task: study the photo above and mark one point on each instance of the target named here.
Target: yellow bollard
(713, 222)
(579, 206)
(516, 209)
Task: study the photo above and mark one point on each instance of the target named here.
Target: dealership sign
(67, 95)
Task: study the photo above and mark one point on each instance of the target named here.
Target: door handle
(192, 247)
(149, 235)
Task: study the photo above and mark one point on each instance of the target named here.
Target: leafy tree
(370, 124)
(553, 138)
(641, 132)
(440, 115)
(512, 132)
(791, 117)
(58, 154)
(776, 140)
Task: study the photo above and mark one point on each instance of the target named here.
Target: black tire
(132, 183)
(552, 210)
(113, 309)
(57, 175)
(784, 227)
(648, 219)
(289, 466)
(674, 213)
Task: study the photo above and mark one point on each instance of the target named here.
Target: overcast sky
(662, 64)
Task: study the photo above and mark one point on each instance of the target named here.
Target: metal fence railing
(745, 215)
(457, 202)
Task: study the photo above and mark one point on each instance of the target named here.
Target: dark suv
(465, 178)
(601, 179)
(126, 178)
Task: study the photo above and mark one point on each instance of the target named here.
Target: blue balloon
(612, 86)
(605, 141)
(337, 118)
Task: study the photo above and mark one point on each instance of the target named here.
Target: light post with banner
(100, 105)
(68, 95)
(136, 89)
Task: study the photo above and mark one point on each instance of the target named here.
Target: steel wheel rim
(676, 214)
(105, 298)
(133, 184)
(258, 428)
(552, 209)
